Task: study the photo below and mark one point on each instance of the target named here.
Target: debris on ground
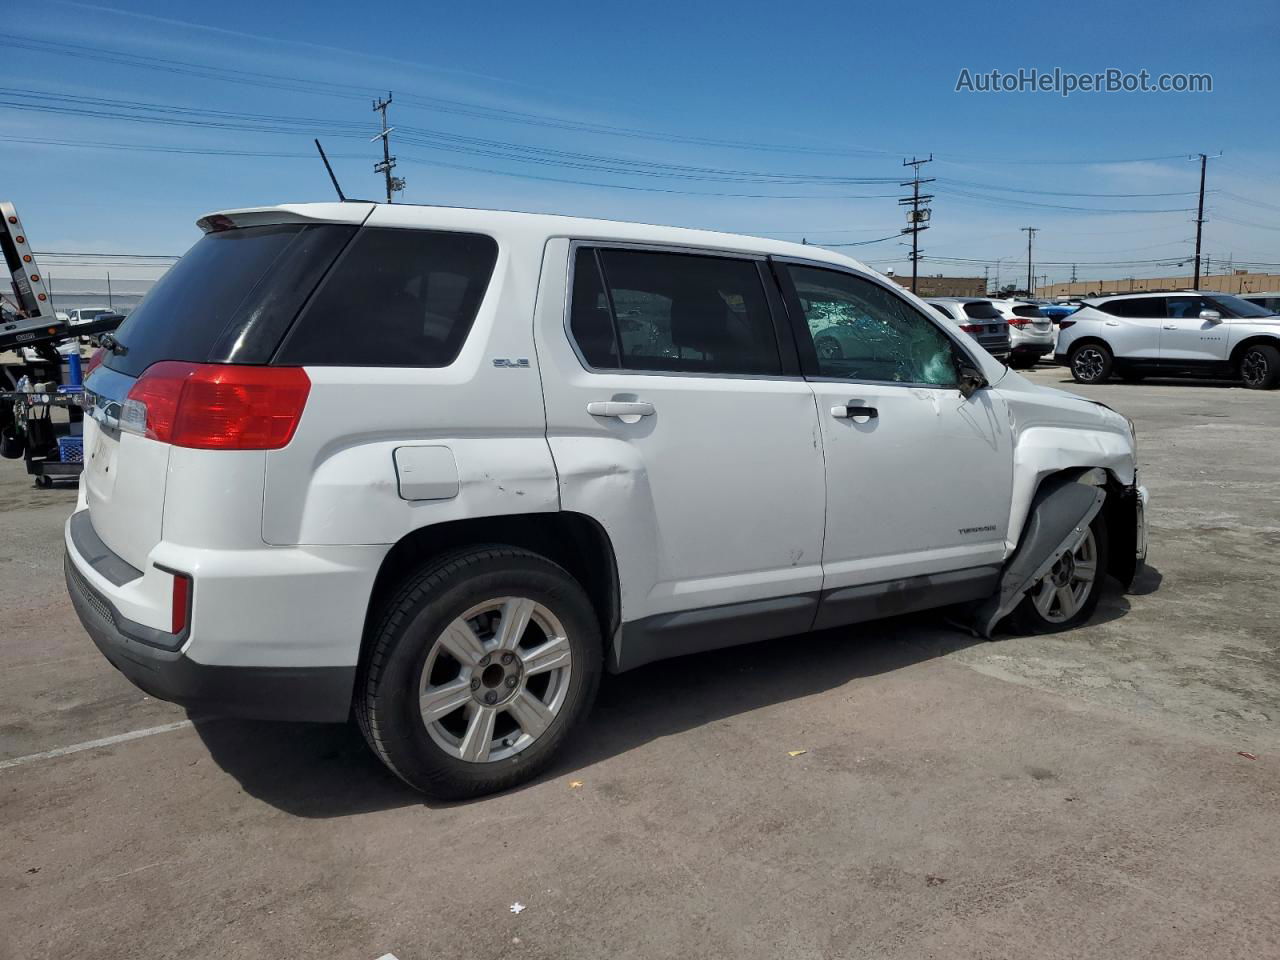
(517, 907)
(1247, 756)
(574, 784)
(796, 753)
(932, 881)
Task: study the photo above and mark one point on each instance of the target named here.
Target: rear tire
(1091, 363)
(1067, 596)
(491, 622)
(1260, 367)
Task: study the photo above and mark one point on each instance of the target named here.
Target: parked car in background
(1031, 335)
(1268, 301)
(451, 523)
(1057, 311)
(1190, 333)
(79, 315)
(979, 318)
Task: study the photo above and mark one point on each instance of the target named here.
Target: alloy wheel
(1063, 591)
(1254, 367)
(1089, 364)
(495, 679)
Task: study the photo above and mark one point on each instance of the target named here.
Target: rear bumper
(266, 693)
(274, 633)
(1032, 349)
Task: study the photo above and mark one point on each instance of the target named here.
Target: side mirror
(1212, 316)
(970, 379)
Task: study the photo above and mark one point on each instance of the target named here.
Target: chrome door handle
(1171, 326)
(620, 408)
(1112, 323)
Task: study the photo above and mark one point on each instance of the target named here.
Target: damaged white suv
(437, 468)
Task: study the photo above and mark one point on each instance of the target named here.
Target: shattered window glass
(861, 331)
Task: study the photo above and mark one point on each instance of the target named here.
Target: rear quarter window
(395, 298)
(230, 298)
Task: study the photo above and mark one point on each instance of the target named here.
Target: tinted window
(982, 310)
(1136, 307)
(590, 321)
(861, 331)
(256, 276)
(1230, 306)
(396, 298)
(1187, 307)
(673, 311)
(1026, 310)
(943, 310)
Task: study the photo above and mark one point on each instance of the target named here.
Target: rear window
(396, 298)
(982, 311)
(231, 297)
(1026, 310)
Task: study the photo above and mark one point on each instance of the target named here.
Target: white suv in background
(1031, 334)
(437, 468)
(1172, 334)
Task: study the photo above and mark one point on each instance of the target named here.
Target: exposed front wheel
(1091, 363)
(1068, 593)
(479, 668)
(1260, 367)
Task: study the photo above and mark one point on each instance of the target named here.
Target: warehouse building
(940, 286)
(1238, 281)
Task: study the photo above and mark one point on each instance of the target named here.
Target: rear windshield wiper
(109, 341)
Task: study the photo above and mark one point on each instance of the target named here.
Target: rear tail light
(1063, 324)
(181, 602)
(971, 327)
(213, 406)
(95, 360)
(1019, 321)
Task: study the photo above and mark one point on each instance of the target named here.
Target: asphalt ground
(1112, 791)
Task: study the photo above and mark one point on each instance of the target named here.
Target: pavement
(1112, 791)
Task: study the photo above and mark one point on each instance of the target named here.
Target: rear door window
(396, 298)
(653, 311)
(1138, 307)
(230, 298)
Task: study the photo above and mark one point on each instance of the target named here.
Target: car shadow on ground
(327, 770)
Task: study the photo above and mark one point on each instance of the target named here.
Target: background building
(1239, 281)
(940, 286)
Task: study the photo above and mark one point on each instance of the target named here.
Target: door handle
(620, 408)
(853, 410)
(1171, 326)
(1112, 323)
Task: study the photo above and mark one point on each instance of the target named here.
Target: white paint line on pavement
(94, 744)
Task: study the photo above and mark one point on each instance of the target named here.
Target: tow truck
(29, 391)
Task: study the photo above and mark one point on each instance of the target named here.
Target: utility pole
(1073, 273)
(998, 261)
(1195, 284)
(917, 216)
(1031, 232)
(986, 278)
(110, 303)
(388, 163)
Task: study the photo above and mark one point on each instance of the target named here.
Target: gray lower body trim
(712, 628)
(97, 554)
(870, 601)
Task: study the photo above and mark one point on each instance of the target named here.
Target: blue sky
(498, 104)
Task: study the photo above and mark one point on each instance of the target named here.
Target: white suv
(437, 468)
(1031, 333)
(1172, 334)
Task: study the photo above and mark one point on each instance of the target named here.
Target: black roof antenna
(341, 196)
